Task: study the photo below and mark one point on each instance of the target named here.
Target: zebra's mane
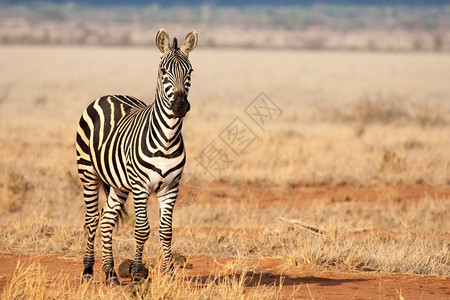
(175, 43)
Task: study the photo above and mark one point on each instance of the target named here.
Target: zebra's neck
(164, 125)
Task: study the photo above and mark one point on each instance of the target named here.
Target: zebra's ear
(190, 42)
(162, 40)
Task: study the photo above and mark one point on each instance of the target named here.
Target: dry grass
(33, 281)
(402, 239)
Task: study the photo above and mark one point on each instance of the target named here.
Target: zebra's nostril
(180, 107)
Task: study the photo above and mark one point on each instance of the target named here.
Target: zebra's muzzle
(180, 106)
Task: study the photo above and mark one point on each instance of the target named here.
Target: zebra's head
(175, 72)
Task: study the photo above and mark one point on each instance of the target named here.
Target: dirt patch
(267, 196)
(298, 283)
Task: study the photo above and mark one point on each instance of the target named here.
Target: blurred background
(336, 25)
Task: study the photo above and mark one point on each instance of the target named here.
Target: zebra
(128, 147)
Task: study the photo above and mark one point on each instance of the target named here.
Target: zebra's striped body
(129, 147)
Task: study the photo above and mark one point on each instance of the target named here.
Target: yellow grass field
(355, 144)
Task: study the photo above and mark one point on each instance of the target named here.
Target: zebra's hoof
(140, 274)
(112, 281)
(87, 278)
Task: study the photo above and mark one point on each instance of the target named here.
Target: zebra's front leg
(141, 232)
(166, 204)
(114, 204)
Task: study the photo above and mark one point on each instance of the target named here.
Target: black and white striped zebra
(128, 147)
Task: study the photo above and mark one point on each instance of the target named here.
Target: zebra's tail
(124, 216)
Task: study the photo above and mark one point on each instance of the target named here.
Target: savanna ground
(354, 146)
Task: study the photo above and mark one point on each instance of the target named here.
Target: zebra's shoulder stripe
(130, 101)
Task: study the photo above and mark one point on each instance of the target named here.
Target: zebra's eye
(163, 71)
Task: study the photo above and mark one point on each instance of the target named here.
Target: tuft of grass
(386, 108)
(33, 282)
(378, 251)
(392, 162)
(26, 281)
(228, 283)
(16, 191)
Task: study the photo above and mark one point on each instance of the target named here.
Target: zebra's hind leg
(91, 191)
(91, 187)
(114, 203)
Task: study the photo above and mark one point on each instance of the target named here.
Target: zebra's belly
(115, 175)
(110, 165)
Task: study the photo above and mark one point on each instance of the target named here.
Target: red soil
(267, 196)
